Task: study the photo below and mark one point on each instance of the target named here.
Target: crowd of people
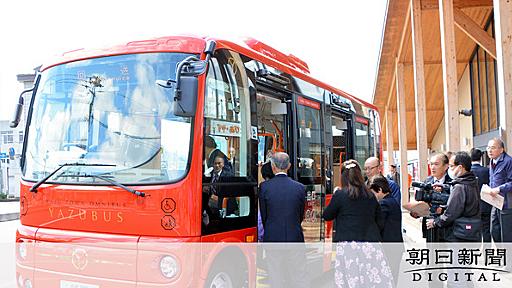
(366, 209)
(467, 179)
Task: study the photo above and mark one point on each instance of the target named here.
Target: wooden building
(444, 79)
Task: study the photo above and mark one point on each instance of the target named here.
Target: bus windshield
(108, 110)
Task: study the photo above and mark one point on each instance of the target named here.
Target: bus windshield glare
(108, 110)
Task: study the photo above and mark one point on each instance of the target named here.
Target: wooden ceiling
(478, 10)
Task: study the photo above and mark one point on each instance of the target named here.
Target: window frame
(480, 78)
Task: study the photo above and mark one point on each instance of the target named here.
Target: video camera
(427, 194)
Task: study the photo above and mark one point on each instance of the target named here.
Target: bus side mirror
(185, 93)
(17, 114)
(19, 108)
(185, 100)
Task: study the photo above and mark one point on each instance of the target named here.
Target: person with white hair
(500, 176)
(282, 201)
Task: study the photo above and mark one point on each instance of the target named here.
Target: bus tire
(228, 270)
(223, 277)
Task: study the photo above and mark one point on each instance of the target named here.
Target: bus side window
(227, 110)
(228, 197)
(362, 146)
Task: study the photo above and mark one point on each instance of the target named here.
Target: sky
(340, 40)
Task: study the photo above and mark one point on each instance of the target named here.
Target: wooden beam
(503, 28)
(414, 110)
(426, 110)
(391, 89)
(402, 130)
(400, 47)
(419, 88)
(473, 30)
(434, 4)
(389, 136)
(434, 63)
(451, 95)
(404, 29)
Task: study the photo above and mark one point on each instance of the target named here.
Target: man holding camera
(461, 218)
(438, 166)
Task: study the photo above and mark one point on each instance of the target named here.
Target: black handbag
(469, 229)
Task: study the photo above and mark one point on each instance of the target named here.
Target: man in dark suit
(373, 167)
(394, 175)
(482, 174)
(500, 181)
(211, 152)
(220, 174)
(439, 168)
(213, 194)
(282, 201)
(439, 164)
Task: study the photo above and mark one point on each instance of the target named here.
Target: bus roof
(195, 44)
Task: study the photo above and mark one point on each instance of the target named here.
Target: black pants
(486, 227)
(434, 235)
(501, 225)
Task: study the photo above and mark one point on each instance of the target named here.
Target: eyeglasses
(370, 168)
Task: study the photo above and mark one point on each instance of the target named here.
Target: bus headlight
(169, 266)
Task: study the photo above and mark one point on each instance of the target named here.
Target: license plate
(70, 284)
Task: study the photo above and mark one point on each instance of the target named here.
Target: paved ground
(412, 227)
(7, 252)
(9, 207)
(9, 211)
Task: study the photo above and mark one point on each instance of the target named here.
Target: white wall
(465, 122)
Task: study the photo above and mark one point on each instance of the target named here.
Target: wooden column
(451, 96)
(402, 130)
(389, 135)
(503, 28)
(419, 88)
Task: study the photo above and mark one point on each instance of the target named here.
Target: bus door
(338, 147)
(274, 117)
(229, 150)
(342, 139)
(311, 164)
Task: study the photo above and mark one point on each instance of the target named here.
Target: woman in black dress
(360, 261)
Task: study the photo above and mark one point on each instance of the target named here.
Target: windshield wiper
(42, 181)
(106, 179)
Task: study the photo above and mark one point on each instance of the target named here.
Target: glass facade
(484, 93)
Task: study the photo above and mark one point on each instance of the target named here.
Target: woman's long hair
(352, 180)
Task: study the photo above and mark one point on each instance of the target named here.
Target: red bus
(118, 144)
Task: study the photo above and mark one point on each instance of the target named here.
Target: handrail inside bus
(273, 139)
(280, 148)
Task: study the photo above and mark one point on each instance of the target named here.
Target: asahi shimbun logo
(456, 265)
(79, 258)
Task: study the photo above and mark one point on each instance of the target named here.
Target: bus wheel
(229, 270)
(220, 279)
